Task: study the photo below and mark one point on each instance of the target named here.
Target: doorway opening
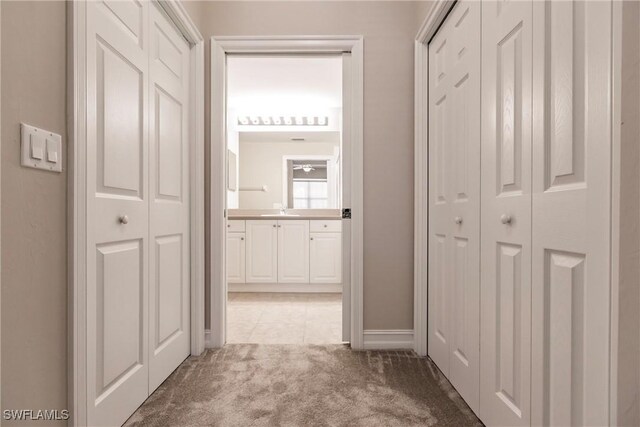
(297, 232)
(284, 186)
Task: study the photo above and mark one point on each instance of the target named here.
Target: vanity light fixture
(283, 120)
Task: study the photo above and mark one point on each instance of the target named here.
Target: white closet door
(293, 251)
(440, 135)
(117, 210)
(505, 373)
(571, 182)
(454, 143)
(169, 265)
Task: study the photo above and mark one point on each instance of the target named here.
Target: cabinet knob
(274, 226)
(228, 225)
(242, 238)
(312, 238)
(279, 226)
(458, 220)
(505, 219)
(325, 226)
(124, 219)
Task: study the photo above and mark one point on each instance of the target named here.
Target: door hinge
(346, 213)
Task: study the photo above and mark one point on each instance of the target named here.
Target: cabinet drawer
(328, 226)
(235, 225)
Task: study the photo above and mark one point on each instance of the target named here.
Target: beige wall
(34, 273)
(389, 30)
(628, 362)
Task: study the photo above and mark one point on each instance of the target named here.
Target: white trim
(432, 22)
(220, 47)
(616, 141)
(390, 339)
(315, 288)
(434, 19)
(76, 219)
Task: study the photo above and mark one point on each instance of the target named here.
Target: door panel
(117, 212)
(262, 251)
(169, 332)
(326, 258)
(235, 258)
(293, 251)
(506, 213)
(571, 193)
(454, 230)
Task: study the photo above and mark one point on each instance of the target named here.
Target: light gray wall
(34, 269)
(389, 29)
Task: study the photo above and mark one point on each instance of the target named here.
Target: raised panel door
(293, 251)
(505, 373)
(262, 251)
(235, 258)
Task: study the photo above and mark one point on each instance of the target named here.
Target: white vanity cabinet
(293, 251)
(261, 251)
(284, 255)
(325, 252)
(235, 251)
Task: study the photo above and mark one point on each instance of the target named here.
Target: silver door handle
(458, 220)
(505, 219)
(124, 219)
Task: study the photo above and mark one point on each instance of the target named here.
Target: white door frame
(432, 22)
(77, 177)
(220, 47)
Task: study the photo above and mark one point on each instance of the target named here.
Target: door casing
(353, 251)
(77, 178)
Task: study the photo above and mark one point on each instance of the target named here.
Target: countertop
(294, 214)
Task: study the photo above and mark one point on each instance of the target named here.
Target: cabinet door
(262, 251)
(326, 258)
(235, 257)
(293, 251)
(505, 321)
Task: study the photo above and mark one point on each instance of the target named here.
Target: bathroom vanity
(284, 253)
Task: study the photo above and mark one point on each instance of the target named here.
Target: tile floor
(274, 318)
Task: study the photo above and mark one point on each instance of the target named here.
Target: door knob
(458, 220)
(124, 219)
(505, 219)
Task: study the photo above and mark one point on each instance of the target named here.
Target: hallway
(248, 384)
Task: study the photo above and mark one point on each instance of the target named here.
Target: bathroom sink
(278, 215)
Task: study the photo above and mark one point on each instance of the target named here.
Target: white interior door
(169, 265)
(440, 215)
(117, 210)
(454, 154)
(262, 251)
(293, 251)
(506, 213)
(571, 193)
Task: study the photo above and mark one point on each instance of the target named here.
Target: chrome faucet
(283, 211)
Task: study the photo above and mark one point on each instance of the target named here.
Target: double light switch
(40, 149)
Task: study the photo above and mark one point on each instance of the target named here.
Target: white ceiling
(324, 137)
(279, 85)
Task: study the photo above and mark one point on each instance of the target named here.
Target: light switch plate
(40, 148)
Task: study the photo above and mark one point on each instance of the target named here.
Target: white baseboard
(389, 339)
(208, 339)
(286, 287)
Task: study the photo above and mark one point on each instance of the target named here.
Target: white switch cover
(40, 148)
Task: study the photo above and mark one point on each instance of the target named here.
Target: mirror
(287, 170)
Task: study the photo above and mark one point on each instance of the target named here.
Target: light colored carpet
(294, 385)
